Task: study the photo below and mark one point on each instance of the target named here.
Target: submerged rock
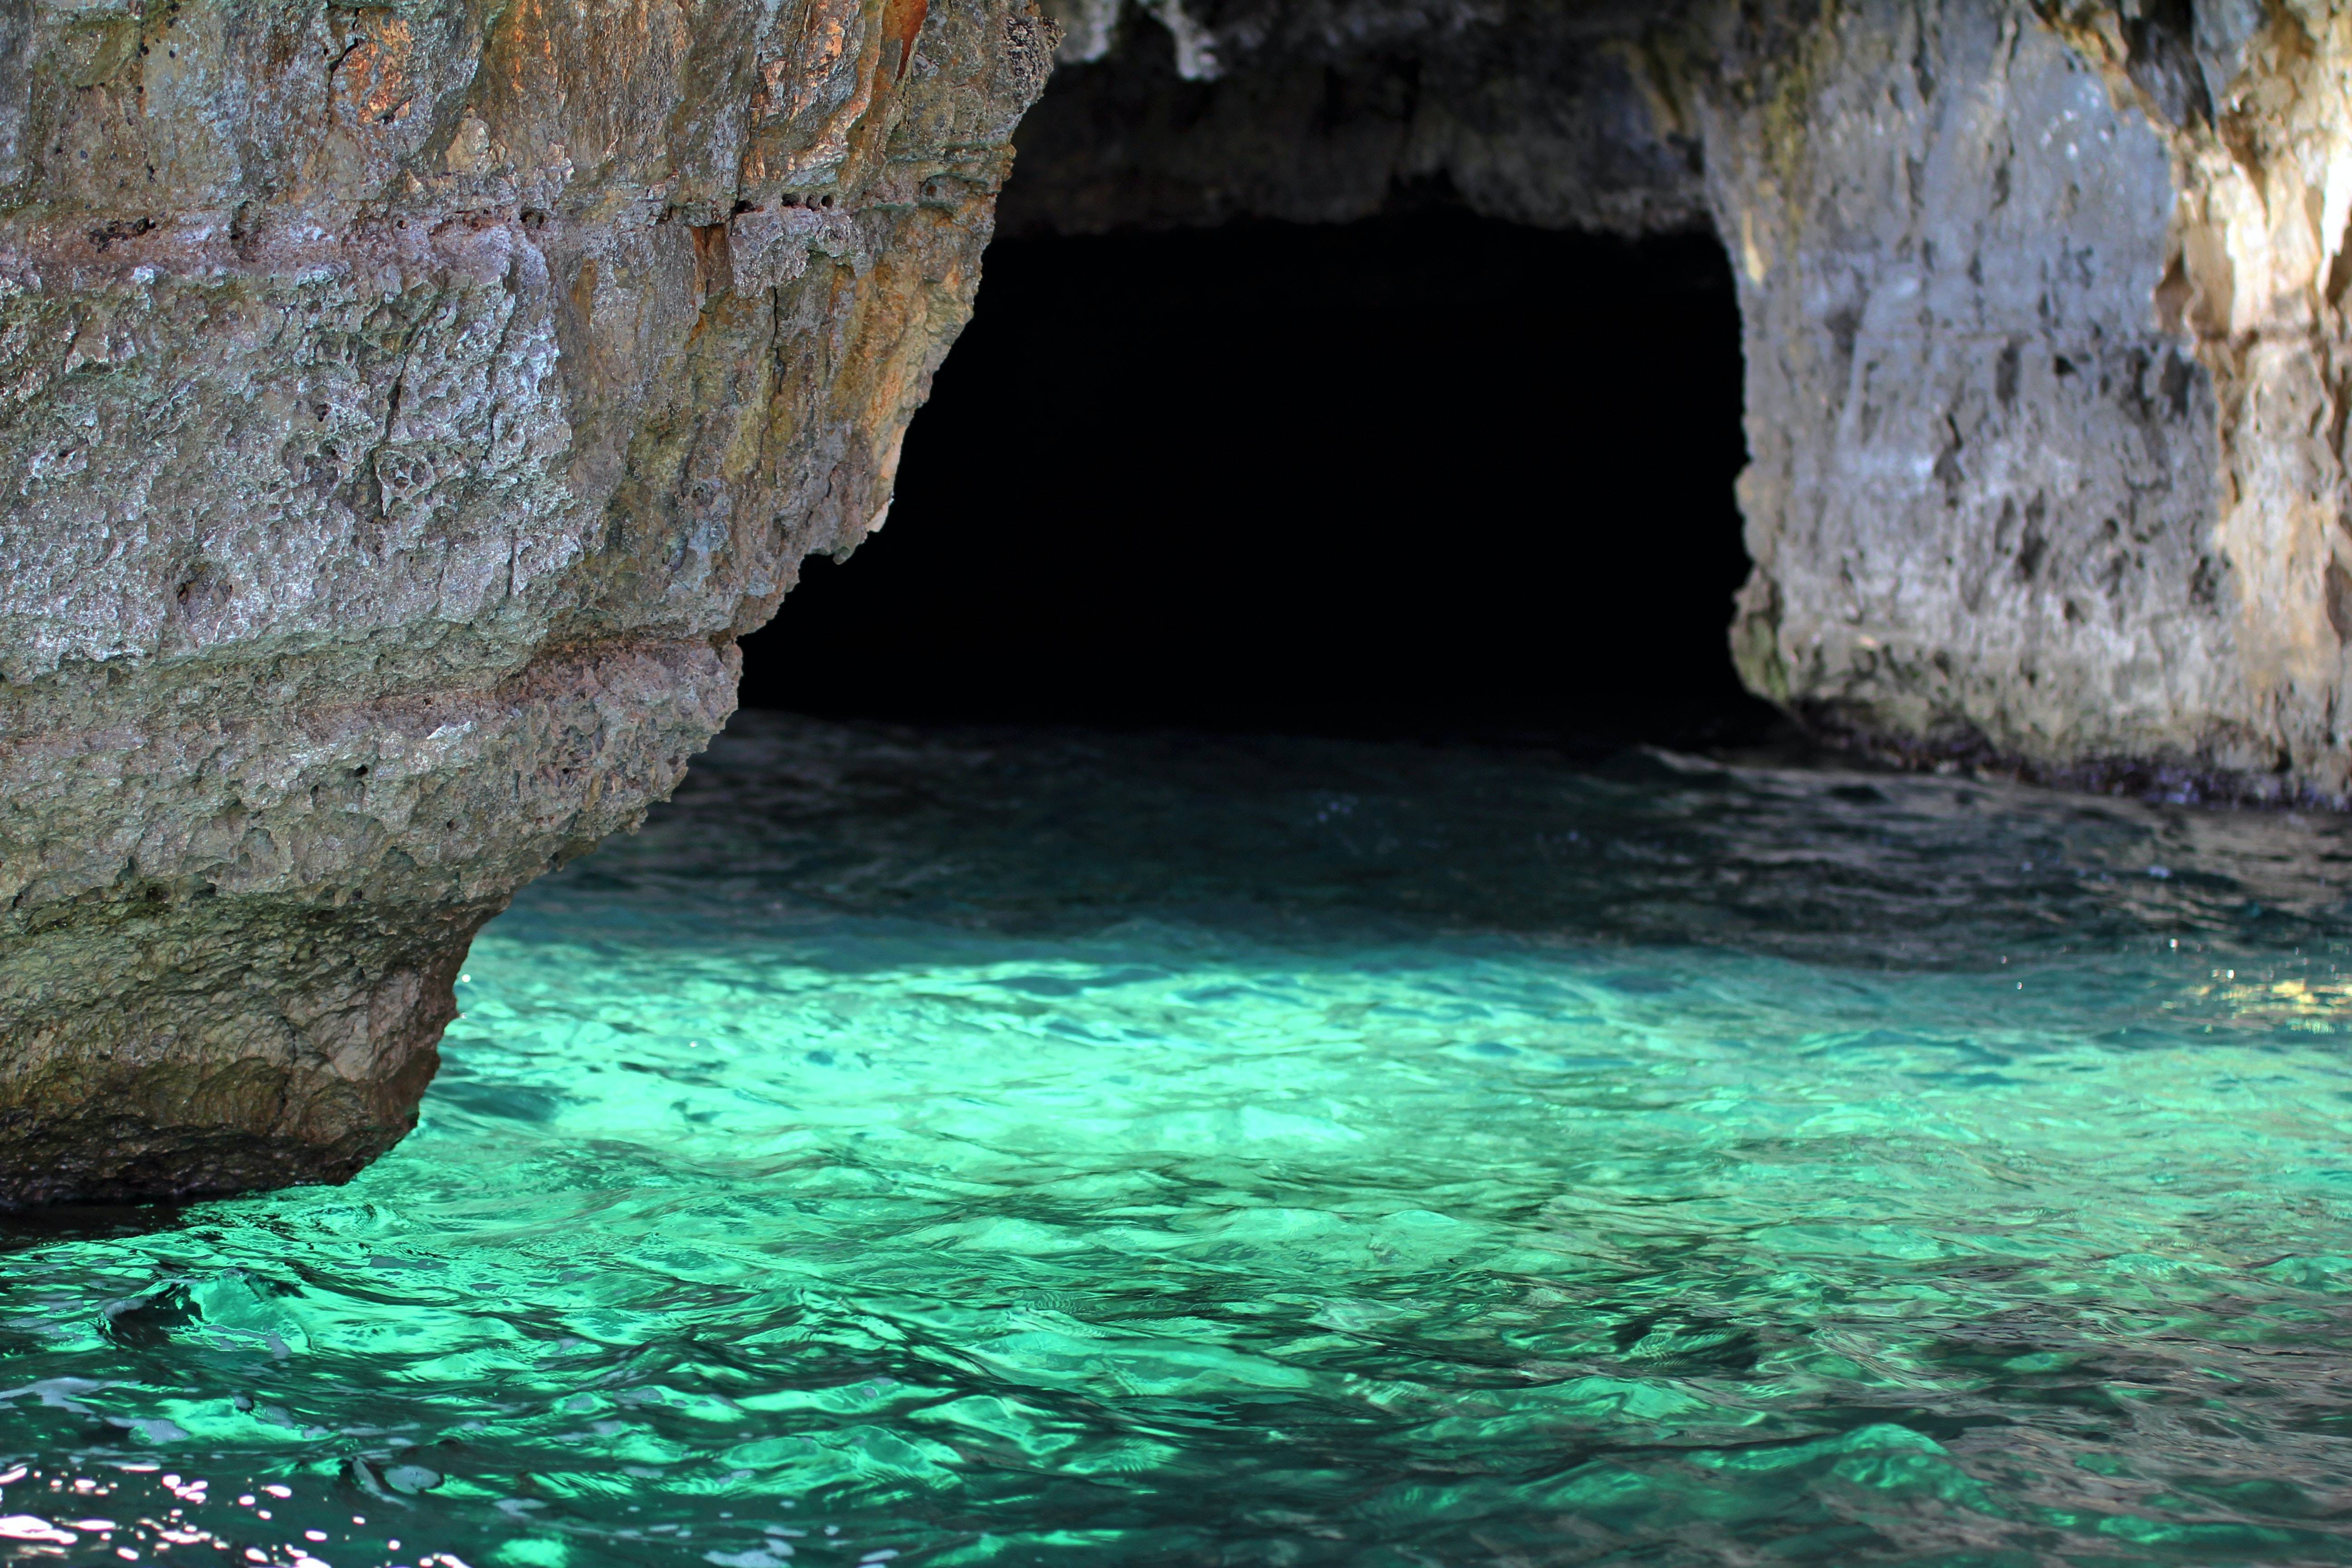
(402, 411)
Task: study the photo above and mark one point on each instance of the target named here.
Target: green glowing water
(1134, 1151)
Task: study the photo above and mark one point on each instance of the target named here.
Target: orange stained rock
(902, 20)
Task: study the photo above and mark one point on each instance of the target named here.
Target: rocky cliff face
(401, 410)
(2043, 308)
(2046, 389)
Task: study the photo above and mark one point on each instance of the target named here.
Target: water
(1135, 1149)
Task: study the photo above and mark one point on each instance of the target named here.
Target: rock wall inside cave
(2042, 303)
(2046, 406)
(404, 408)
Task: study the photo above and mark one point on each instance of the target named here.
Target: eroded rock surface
(1563, 113)
(2043, 304)
(2044, 338)
(402, 411)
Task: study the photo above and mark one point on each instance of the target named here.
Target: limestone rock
(2043, 324)
(2043, 303)
(403, 409)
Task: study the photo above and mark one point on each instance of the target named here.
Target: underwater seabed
(997, 1148)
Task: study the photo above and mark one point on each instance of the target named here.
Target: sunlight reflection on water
(1042, 1148)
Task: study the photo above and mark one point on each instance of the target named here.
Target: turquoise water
(1003, 1149)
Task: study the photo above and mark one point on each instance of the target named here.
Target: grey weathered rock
(2043, 310)
(402, 411)
(2041, 317)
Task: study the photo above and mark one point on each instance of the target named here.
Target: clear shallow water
(1133, 1150)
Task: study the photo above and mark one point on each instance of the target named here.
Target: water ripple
(1033, 1148)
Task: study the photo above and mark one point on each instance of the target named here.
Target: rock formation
(2047, 383)
(2046, 389)
(402, 408)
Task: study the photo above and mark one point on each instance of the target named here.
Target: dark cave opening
(1424, 476)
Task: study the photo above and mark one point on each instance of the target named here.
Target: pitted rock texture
(2043, 301)
(2044, 337)
(403, 409)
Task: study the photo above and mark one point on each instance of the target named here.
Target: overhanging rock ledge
(403, 409)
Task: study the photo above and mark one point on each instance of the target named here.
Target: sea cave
(1241, 781)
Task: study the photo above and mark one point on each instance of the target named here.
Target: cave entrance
(1426, 476)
